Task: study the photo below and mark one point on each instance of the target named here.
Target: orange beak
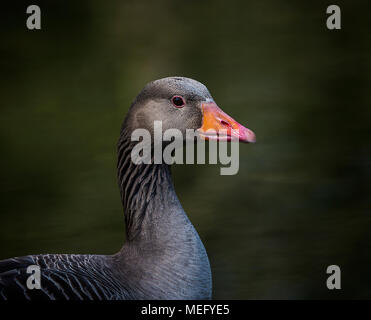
(217, 125)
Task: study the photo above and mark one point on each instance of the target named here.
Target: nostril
(225, 123)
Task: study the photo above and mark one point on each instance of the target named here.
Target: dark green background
(301, 200)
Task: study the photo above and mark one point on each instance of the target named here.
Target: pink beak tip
(247, 135)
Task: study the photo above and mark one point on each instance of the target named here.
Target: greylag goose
(163, 256)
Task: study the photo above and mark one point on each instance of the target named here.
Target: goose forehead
(180, 85)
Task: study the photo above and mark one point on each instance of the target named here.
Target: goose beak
(217, 125)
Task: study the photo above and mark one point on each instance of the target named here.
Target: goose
(163, 256)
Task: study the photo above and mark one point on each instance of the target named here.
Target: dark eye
(178, 101)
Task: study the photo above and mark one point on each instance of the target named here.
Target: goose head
(184, 103)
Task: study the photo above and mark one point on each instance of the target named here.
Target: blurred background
(301, 199)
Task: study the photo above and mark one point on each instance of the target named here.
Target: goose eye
(178, 101)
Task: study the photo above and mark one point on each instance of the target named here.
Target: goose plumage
(163, 256)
